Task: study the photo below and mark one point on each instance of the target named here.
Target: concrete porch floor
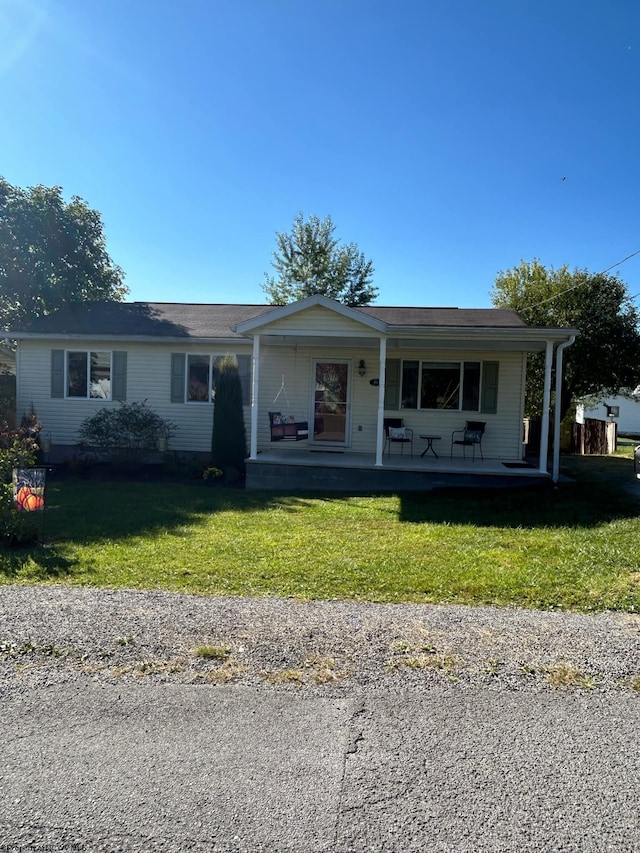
(314, 469)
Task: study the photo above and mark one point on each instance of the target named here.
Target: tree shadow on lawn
(81, 511)
(593, 491)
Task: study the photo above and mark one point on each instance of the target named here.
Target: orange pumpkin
(32, 502)
(23, 493)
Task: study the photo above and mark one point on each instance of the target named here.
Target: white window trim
(88, 396)
(461, 363)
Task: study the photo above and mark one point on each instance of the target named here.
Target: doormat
(517, 465)
(326, 451)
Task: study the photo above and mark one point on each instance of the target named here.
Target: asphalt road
(95, 766)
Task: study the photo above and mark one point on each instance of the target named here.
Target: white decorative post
(255, 369)
(381, 387)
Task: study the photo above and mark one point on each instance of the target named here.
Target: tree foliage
(52, 254)
(310, 260)
(605, 357)
(228, 440)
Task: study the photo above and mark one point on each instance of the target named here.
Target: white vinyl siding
(319, 319)
(149, 374)
(148, 379)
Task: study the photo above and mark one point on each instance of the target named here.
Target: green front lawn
(574, 547)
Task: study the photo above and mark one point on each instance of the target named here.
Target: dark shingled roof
(152, 319)
(186, 320)
(461, 317)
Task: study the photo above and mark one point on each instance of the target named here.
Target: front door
(330, 402)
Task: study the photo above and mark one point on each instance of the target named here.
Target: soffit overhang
(525, 339)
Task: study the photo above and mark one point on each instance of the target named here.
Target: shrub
(228, 440)
(210, 475)
(18, 449)
(129, 433)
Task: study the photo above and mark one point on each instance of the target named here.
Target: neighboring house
(623, 409)
(340, 371)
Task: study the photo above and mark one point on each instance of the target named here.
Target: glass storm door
(330, 403)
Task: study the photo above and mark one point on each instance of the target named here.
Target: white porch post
(255, 369)
(380, 421)
(546, 409)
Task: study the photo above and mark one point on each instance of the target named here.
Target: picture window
(444, 385)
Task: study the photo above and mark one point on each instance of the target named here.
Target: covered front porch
(329, 382)
(318, 470)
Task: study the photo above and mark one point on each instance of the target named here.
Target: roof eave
(537, 332)
(158, 339)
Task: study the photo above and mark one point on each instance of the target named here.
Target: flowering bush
(18, 449)
(212, 474)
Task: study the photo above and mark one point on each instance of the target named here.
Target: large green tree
(605, 357)
(52, 254)
(309, 260)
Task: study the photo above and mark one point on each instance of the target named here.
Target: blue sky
(449, 139)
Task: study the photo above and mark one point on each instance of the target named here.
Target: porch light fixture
(362, 367)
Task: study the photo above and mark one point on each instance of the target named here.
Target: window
(88, 375)
(199, 387)
(82, 375)
(468, 386)
(202, 374)
(440, 385)
(194, 377)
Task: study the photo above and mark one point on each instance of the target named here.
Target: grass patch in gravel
(212, 652)
(565, 675)
(575, 547)
(313, 670)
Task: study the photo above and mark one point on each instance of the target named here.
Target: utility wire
(580, 283)
(632, 255)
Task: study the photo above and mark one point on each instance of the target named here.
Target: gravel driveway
(50, 634)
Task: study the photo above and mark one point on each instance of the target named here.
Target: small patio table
(430, 439)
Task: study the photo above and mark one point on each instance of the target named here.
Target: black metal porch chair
(395, 432)
(470, 436)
